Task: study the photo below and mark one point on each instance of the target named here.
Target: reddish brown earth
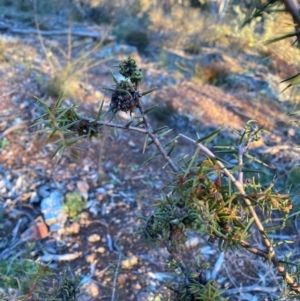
(115, 163)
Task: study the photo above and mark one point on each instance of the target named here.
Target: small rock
(101, 190)
(291, 132)
(122, 279)
(3, 190)
(52, 209)
(148, 296)
(110, 186)
(25, 196)
(89, 289)
(131, 143)
(98, 95)
(19, 183)
(38, 230)
(94, 177)
(76, 246)
(74, 228)
(34, 198)
(94, 238)
(2, 184)
(129, 262)
(101, 250)
(60, 257)
(192, 242)
(92, 206)
(137, 286)
(43, 191)
(90, 258)
(24, 105)
(100, 197)
(50, 250)
(84, 219)
(83, 187)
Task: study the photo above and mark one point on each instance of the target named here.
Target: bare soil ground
(119, 186)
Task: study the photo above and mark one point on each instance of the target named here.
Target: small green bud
(137, 76)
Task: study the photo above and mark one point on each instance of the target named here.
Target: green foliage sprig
(73, 204)
(38, 282)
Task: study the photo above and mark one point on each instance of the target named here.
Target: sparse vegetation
(206, 197)
(67, 72)
(220, 196)
(73, 205)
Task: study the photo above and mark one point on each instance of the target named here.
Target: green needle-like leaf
(109, 89)
(147, 92)
(145, 143)
(210, 136)
(171, 141)
(256, 160)
(125, 91)
(150, 109)
(192, 161)
(139, 123)
(60, 147)
(59, 101)
(114, 78)
(71, 141)
(127, 125)
(165, 133)
(160, 129)
(99, 112)
(171, 150)
(285, 36)
(152, 157)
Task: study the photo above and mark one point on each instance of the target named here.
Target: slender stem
(220, 164)
(177, 258)
(116, 277)
(254, 250)
(148, 130)
(156, 141)
(116, 125)
(120, 126)
(180, 262)
(271, 255)
(241, 150)
(292, 7)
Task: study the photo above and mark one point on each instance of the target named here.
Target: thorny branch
(156, 141)
(241, 150)
(292, 7)
(271, 255)
(116, 125)
(131, 99)
(148, 130)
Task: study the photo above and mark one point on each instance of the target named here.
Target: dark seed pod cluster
(124, 98)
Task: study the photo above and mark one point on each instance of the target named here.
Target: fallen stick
(80, 33)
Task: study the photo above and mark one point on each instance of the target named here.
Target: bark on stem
(292, 7)
(156, 141)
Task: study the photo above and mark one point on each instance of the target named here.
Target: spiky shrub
(208, 196)
(37, 282)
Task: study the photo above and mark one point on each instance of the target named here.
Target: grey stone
(44, 191)
(52, 209)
